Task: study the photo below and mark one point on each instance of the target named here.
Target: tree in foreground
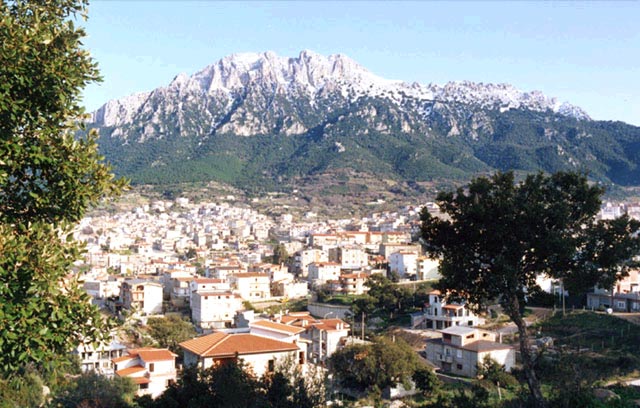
(169, 331)
(48, 180)
(500, 235)
(96, 391)
(373, 367)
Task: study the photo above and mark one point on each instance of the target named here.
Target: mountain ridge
(266, 121)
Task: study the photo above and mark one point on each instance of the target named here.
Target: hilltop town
(234, 273)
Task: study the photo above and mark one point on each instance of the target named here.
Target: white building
(404, 263)
(98, 359)
(143, 296)
(260, 353)
(438, 314)
(461, 349)
(321, 272)
(305, 257)
(153, 370)
(251, 286)
(211, 309)
(350, 257)
(428, 268)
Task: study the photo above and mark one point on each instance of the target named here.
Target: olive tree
(501, 235)
(49, 177)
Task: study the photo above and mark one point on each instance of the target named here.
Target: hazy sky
(585, 53)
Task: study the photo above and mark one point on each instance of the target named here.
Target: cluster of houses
(135, 263)
(297, 337)
(209, 259)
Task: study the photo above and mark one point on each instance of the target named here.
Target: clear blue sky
(586, 53)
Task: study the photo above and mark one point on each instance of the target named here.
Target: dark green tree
(372, 367)
(225, 385)
(169, 331)
(23, 389)
(280, 254)
(49, 177)
(96, 391)
(426, 380)
(501, 235)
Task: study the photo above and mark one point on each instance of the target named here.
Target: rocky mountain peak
(314, 75)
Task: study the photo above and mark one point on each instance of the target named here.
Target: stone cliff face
(250, 94)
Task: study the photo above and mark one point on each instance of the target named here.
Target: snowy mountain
(234, 120)
(314, 76)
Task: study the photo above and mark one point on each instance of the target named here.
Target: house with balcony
(349, 284)
(151, 369)
(251, 285)
(461, 349)
(214, 309)
(321, 272)
(98, 358)
(142, 296)
(323, 336)
(404, 264)
(438, 314)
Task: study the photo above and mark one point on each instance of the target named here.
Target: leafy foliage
(22, 390)
(372, 367)
(169, 331)
(48, 179)
(233, 385)
(96, 391)
(545, 224)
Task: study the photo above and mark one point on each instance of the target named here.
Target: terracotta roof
(330, 324)
(454, 307)
(435, 292)
(278, 327)
(121, 359)
(208, 280)
(156, 355)
(251, 275)
(141, 380)
(294, 319)
(125, 372)
(200, 345)
(223, 344)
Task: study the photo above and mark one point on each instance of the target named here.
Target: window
(144, 386)
(301, 357)
(459, 353)
(271, 366)
(459, 366)
(470, 336)
(151, 367)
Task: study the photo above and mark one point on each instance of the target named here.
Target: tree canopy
(372, 367)
(49, 177)
(501, 235)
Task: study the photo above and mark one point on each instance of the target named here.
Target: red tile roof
(277, 327)
(223, 344)
(125, 372)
